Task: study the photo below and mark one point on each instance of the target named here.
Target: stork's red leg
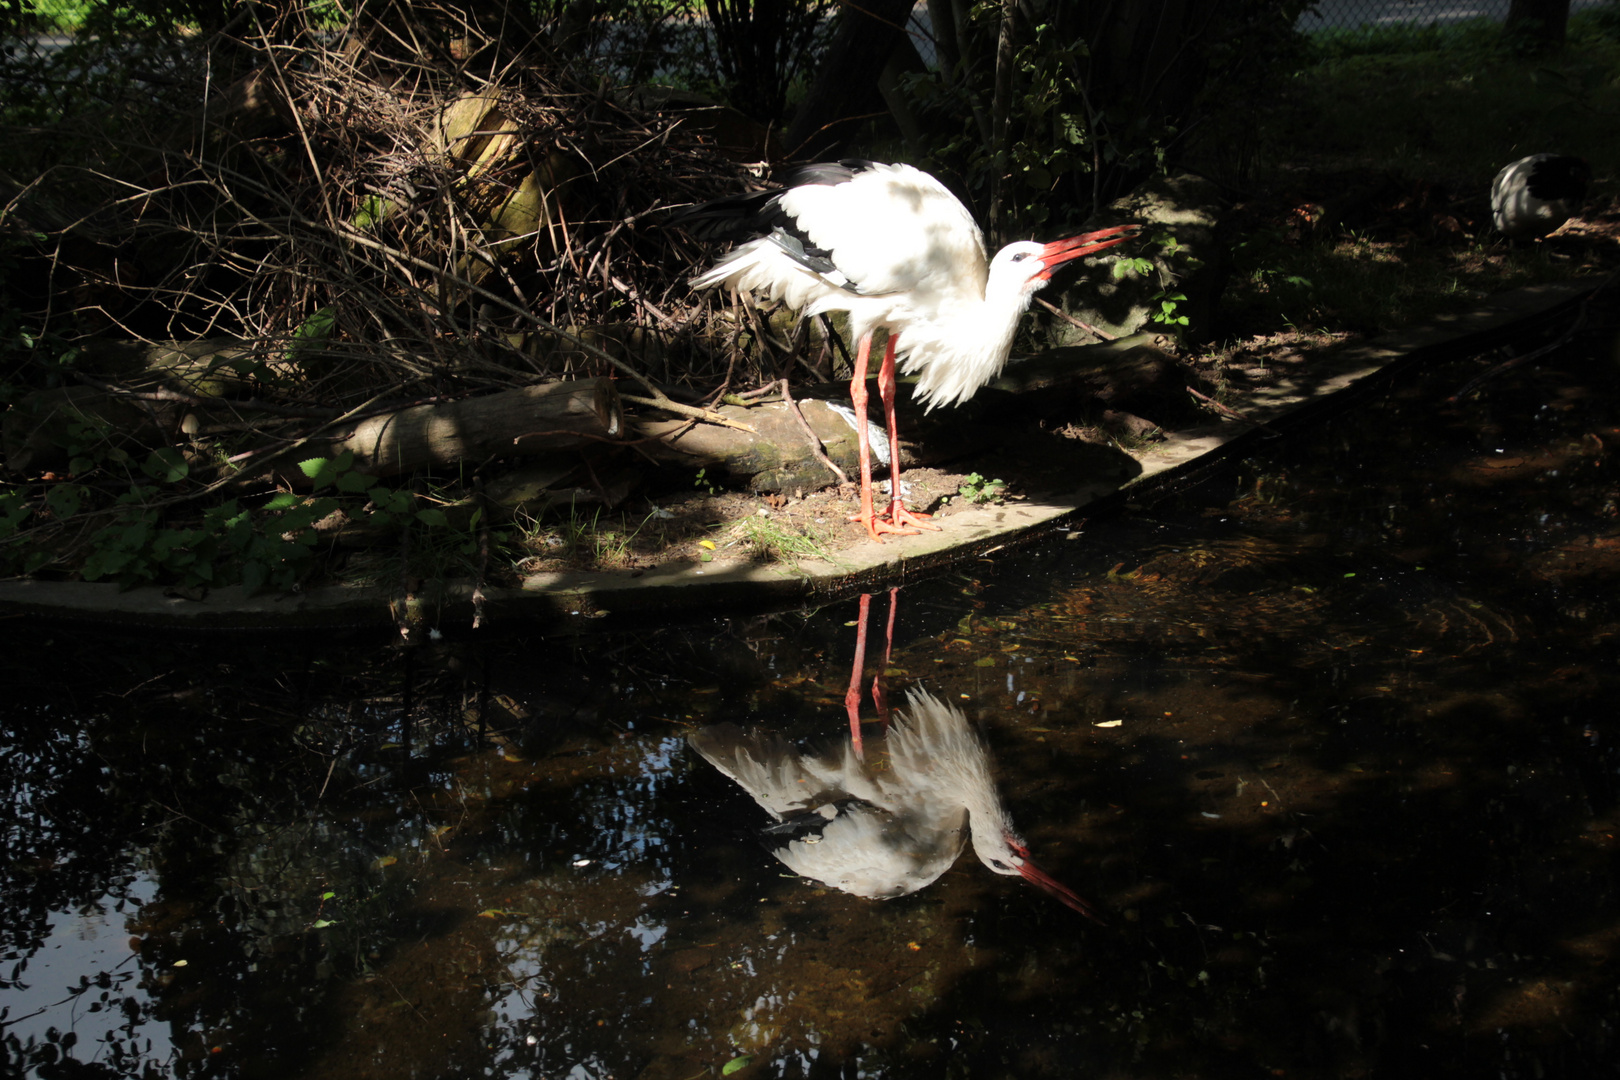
(852, 696)
(899, 516)
(858, 398)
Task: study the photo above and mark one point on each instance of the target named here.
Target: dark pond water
(1328, 736)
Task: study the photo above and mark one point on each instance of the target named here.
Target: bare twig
(1225, 411)
(664, 403)
(816, 449)
(1072, 321)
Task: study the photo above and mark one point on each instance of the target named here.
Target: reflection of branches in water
(1476, 624)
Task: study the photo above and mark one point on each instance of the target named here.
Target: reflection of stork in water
(878, 832)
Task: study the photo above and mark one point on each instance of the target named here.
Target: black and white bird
(1535, 195)
(891, 246)
(881, 832)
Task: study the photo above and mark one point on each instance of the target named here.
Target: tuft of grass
(768, 541)
(584, 539)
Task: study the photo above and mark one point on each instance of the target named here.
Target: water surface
(1328, 736)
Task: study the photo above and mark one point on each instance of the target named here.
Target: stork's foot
(876, 525)
(900, 516)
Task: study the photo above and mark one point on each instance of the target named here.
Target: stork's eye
(997, 864)
(1020, 257)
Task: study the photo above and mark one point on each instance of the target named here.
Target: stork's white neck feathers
(964, 347)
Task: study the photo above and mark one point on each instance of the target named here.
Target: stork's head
(1026, 266)
(1006, 853)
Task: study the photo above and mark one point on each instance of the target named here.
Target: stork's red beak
(1035, 876)
(1059, 252)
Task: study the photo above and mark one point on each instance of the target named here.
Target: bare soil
(1412, 240)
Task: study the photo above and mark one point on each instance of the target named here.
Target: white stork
(1535, 195)
(890, 245)
(881, 832)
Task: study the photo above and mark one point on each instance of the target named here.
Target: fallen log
(775, 456)
(1077, 382)
(526, 421)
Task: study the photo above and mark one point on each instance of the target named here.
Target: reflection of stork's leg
(852, 696)
(899, 517)
(879, 698)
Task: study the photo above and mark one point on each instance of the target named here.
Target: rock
(1185, 209)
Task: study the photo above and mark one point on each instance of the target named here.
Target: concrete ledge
(730, 586)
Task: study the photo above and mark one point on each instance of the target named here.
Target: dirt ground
(702, 522)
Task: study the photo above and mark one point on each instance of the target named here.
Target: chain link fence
(1378, 14)
(1342, 16)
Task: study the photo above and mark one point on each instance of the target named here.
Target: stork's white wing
(895, 229)
(870, 852)
(766, 766)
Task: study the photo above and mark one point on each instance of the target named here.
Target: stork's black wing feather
(740, 218)
(759, 214)
(1560, 176)
(825, 173)
(809, 825)
(736, 218)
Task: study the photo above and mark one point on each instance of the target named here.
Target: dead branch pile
(427, 242)
(414, 207)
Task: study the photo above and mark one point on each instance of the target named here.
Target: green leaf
(166, 465)
(283, 500)
(315, 329)
(316, 467)
(253, 575)
(736, 1064)
(433, 517)
(321, 924)
(373, 208)
(352, 483)
(64, 500)
(394, 502)
(14, 510)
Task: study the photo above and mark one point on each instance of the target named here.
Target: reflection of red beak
(1038, 877)
(1059, 252)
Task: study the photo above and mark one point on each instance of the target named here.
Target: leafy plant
(978, 490)
(1169, 303)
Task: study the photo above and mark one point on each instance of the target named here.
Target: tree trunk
(1542, 22)
(1000, 106)
(846, 88)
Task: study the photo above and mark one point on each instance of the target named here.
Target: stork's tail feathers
(734, 218)
(764, 765)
